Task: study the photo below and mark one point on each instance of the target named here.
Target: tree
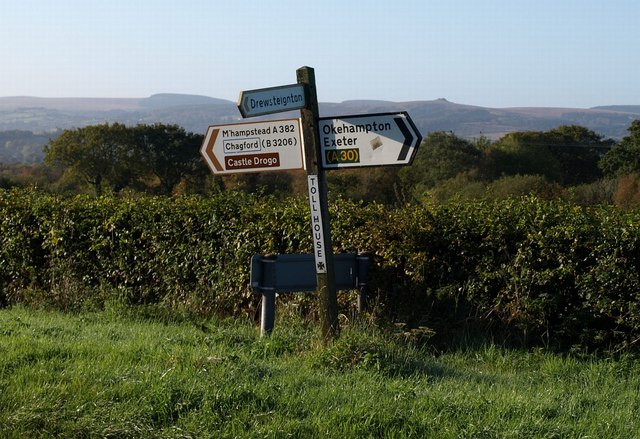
(567, 155)
(99, 153)
(578, 151)
(441, 156)
(135, 157)
(624, 158)
(521, 153)
(168, 153)
(376, 184)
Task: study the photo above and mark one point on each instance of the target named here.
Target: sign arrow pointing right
(408, 138)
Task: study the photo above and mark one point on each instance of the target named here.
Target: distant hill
(162, 100)
(622, 108)
(169, 100)
(470, 121)
(42, 116)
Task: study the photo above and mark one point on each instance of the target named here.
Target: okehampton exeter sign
(382, 139)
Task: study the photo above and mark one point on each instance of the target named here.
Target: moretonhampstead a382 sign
(273, 145)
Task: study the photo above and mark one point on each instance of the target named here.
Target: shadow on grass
(388, 354)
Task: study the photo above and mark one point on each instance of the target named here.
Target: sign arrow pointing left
(207, 150)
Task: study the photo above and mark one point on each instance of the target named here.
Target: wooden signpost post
(317, 181)
(315, 144)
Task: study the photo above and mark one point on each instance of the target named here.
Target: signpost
(274, 145)
(368, 140)
(382, 139)
(271, 100)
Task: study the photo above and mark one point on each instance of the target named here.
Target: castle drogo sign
(273, 145)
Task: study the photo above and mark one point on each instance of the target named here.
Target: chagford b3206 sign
(273, 145)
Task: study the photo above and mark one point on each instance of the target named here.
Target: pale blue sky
(496, 53)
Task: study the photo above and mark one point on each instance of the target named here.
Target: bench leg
(268, 315)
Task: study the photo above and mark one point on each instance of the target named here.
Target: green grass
(144, 373)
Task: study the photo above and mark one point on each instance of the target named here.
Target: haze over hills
(195, 113)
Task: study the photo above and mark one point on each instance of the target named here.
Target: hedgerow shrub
(190, 252)
(527, 270)
(627, 194)
(533, 271)
(593, 194)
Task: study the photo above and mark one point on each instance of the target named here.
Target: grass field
(145, 373)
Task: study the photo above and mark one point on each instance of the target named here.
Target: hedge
(528, 270)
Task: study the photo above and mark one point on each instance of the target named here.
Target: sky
(492, 53)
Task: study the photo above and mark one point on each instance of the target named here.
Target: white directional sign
(271, 100)
(273, 145)
(368, 140)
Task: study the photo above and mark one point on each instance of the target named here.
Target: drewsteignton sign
(271, 100)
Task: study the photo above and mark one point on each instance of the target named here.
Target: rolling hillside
(46, 116)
